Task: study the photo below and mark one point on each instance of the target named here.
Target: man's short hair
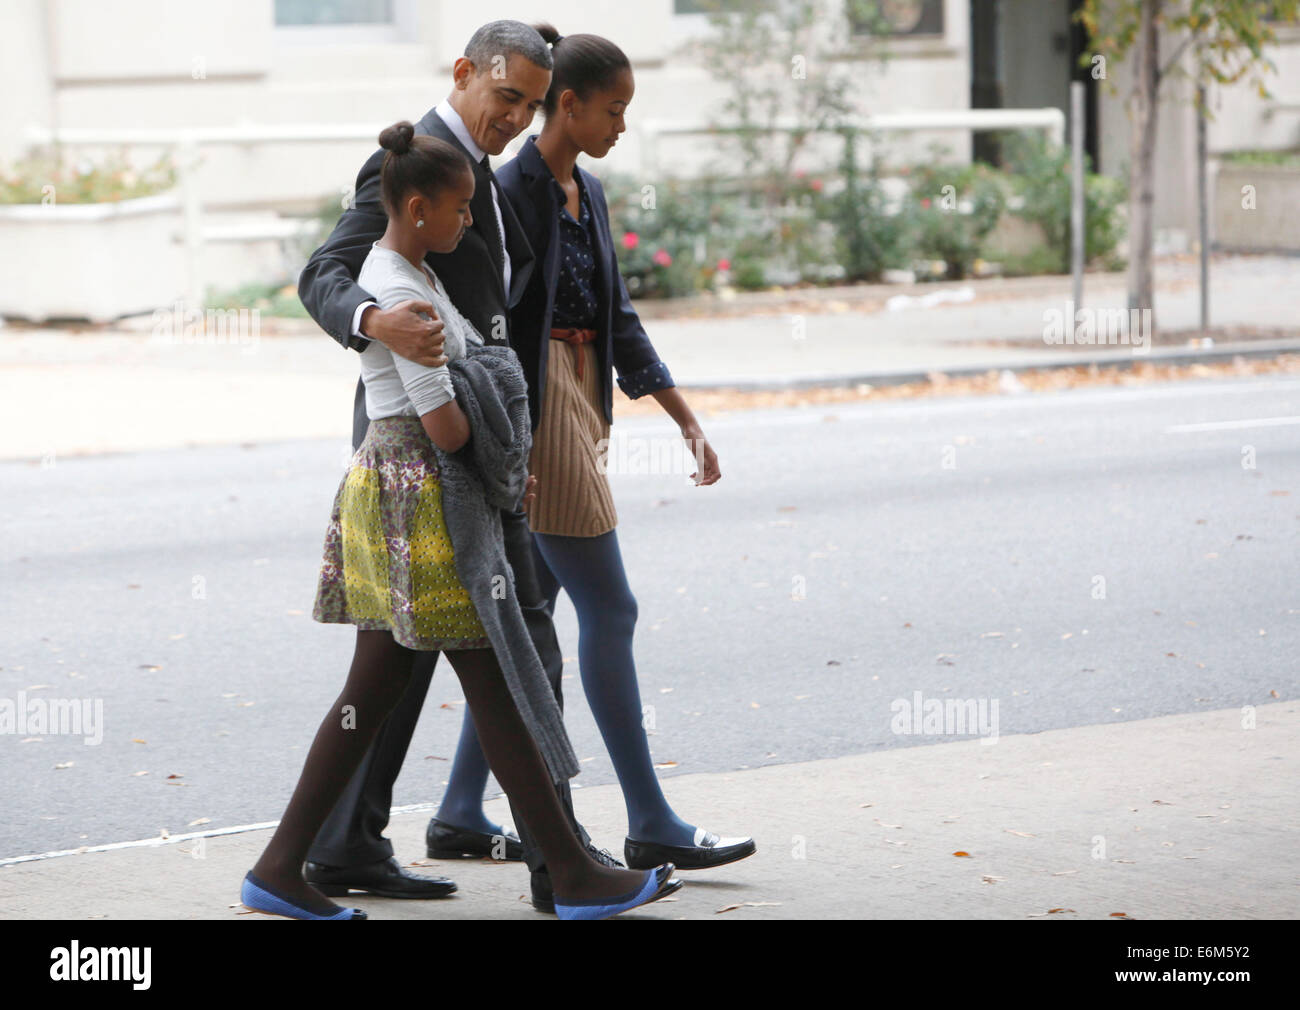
(507, 38)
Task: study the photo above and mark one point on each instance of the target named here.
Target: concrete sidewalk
(1179, 817)
(65, 392)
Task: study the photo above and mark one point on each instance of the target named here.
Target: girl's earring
(419, 223)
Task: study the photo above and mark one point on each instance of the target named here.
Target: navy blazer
(621, 341)
(330, 293)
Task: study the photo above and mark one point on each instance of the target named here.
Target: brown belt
(575, 337)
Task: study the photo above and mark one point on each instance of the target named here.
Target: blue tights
(590, 570)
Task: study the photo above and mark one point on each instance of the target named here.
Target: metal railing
(185, 142)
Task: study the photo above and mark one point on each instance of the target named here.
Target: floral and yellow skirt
(388, 561)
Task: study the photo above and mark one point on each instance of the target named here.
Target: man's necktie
(499, 250)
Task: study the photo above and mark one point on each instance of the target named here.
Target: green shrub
(1040, 175)
(868, 239)
(950, 211)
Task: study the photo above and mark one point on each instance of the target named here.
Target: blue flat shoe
(261, 898)
(657, 885)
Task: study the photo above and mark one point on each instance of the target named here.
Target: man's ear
(461, 71)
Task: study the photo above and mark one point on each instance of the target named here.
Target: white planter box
(1263, 218)
(96, 261)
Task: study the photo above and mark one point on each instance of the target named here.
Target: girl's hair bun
(548, 33)
(397, 138)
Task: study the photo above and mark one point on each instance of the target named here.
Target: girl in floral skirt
(389, 569)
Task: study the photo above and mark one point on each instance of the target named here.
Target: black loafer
(708, 851)
(386, 878)
(544, 897)
(604, 857)
(446, 841)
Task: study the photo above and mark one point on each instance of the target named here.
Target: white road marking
(143, 843)
(1250, 422)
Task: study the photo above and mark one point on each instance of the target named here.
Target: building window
(333, 12)
(346, 22)
(895, 18)
(717, 6)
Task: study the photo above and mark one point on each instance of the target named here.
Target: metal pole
(187, 165)
(1203, 199)
(1076, 193)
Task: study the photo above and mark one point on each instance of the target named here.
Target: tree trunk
(1143, 108)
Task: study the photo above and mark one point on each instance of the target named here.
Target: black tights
(381, 669)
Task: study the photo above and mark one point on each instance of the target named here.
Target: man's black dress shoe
(386, 878)
(540, 883)
(446, 841)
(708, 851)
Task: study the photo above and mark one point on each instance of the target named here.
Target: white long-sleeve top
(397, 386)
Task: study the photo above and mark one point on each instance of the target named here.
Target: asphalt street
(1102, 555)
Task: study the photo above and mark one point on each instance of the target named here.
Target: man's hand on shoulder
(404, 331)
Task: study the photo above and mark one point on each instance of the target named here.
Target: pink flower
(630, 240)
(925, 202)
(662, 258)
(816, 185)
(724, 264)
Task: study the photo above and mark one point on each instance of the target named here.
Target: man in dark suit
(499, 84)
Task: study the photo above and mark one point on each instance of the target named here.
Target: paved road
(951, 547)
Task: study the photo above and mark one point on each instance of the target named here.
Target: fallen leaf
(1022, 834)
(201, 820)
(743, 904)
(960, 853)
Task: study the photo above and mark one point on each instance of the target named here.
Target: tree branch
(1173, 60)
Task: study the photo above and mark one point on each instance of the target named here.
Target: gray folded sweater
(484, 477)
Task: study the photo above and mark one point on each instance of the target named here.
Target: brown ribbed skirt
(570, 447)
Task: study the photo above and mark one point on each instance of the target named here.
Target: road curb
(899, 377)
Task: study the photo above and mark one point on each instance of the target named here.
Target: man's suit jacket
(621, 340)
(472, 273)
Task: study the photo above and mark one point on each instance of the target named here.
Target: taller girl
(572, 327)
